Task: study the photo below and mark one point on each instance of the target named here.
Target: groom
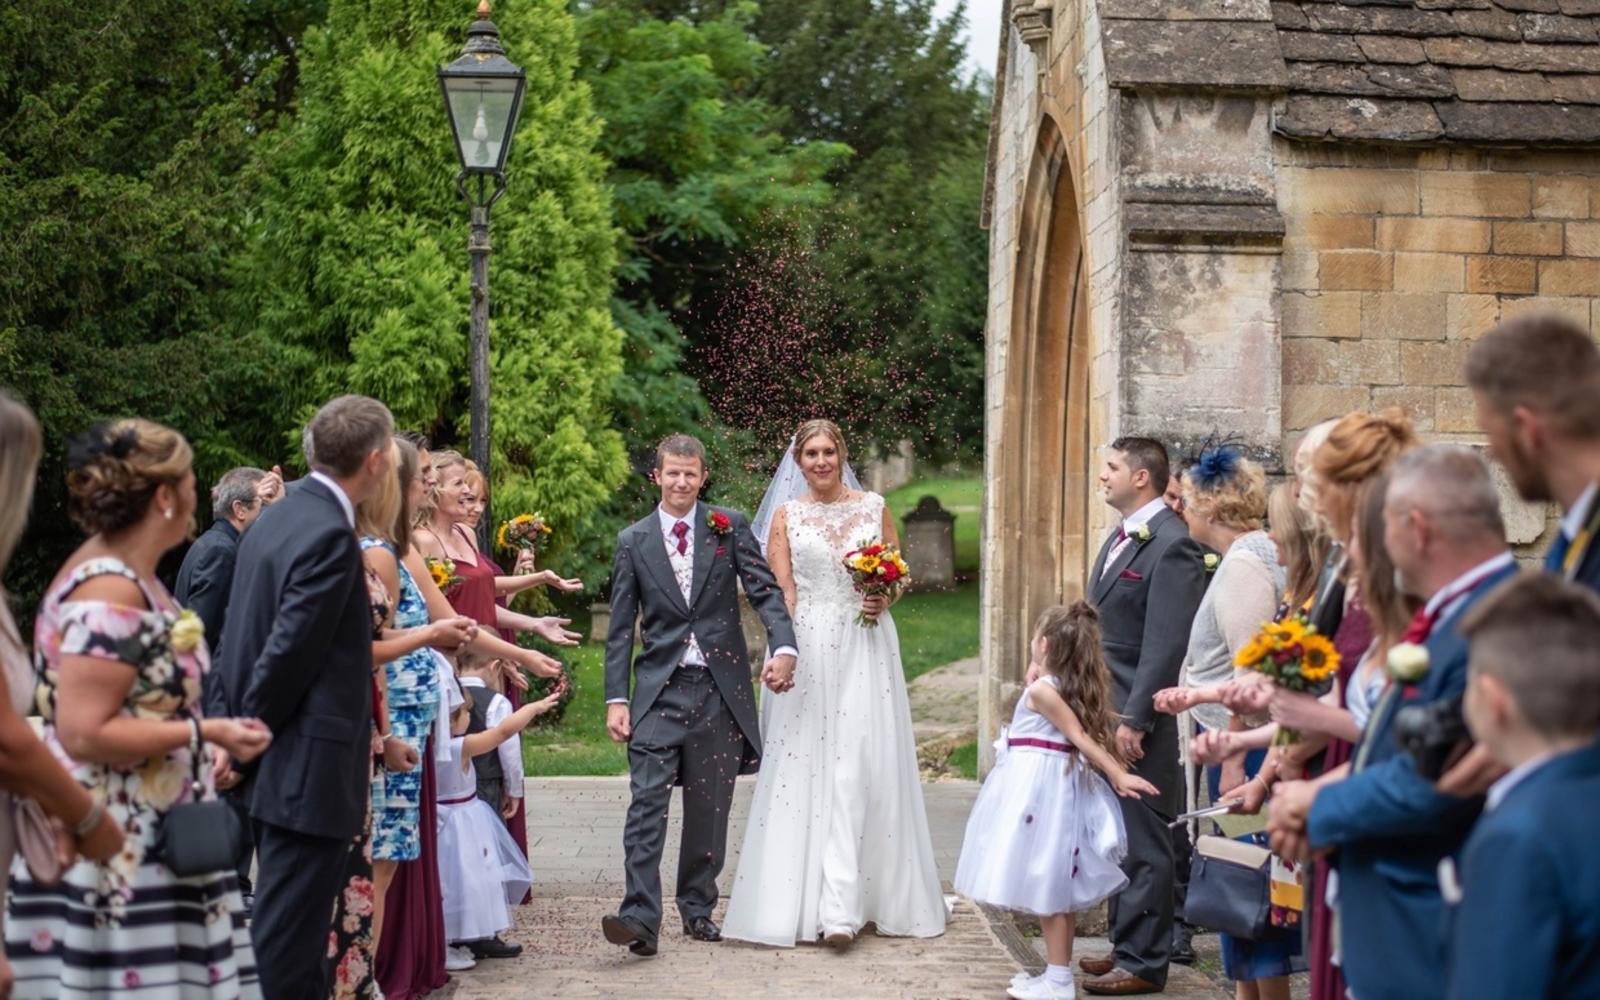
(692, 721)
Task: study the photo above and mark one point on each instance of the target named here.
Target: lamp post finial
(483, 10)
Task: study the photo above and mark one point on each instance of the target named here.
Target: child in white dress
(1046, 836)
(482, 873)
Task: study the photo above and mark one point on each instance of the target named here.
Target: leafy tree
(357, 261)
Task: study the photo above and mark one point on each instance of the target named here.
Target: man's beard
(1526, 475)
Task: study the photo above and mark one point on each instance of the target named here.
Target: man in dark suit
(1526, 921)
(205, 581)
(1390, 825)
(297, 653)
(692, 718)
(1147, 583)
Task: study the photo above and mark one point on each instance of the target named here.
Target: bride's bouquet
(877, 570)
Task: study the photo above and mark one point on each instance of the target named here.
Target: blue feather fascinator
(1216, 463)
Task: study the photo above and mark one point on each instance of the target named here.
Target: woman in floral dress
(120, 672)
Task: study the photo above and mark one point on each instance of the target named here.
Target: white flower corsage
(1212, 562)
(1408, 662)
(186, 632)
(1141, 534)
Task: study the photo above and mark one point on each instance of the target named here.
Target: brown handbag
(36, 840)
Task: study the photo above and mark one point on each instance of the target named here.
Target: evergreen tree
(358, 262)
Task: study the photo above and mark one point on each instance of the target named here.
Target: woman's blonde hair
(1073, 656)
(1359, 446)
(1305, 545)
(378, 514)
(115, 468)
(1237, 499)
(812, 428)
(475, 480)
(1390, 607)
(20, 445)
(1304, 459)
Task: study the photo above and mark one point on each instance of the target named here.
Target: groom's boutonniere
(1141, 534)
(719, 523)
(1212, 562)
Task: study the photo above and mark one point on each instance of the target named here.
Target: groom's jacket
(643, 588)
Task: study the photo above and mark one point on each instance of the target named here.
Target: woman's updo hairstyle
(115, 468)
(1223, 486)
(812, 428)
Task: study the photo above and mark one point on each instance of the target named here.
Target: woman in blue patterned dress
(411, 672)
(120, 672)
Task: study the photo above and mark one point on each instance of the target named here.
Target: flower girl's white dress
(1046, 833)
(481, 872)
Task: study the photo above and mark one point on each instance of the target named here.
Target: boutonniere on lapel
(1141, 534)
(1212, 562)
(719, 523)
(1408, 663)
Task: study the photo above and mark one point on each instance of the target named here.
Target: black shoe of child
(494, 948)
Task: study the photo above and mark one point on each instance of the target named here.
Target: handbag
(199, 837)
(36, 840)
(1230, 887)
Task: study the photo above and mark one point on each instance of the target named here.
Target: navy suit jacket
(297, 654)
(205, 581)
(1392, 828)
(1528, 924)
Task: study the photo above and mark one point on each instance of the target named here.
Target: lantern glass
(483, 115)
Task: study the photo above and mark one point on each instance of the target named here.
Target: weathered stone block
(1429, 272)
(1575, 309)
(1513, 56)
(1577, 88)
(1569, 277)
(1355, 270)
(1500, 85)
(1307, 405)
(1524, 521)
(1476, 195)
(1371, 80)
(1434, 235)
(1236, 54)
(1304, 191)
(1367, 362)
(1307, 362)
(1548, 27)
(1561, 197)
(1454, 411)
(1319, 47)
(1387, 49)
(1187, 10)
(1433, 364)
(1508, 275)
(1398, 316)
(1317, 116)
(1418, 403)
(1488, 24)
(1329, 232)
(1530, 239)
(1468, 317)
(1476, 121)
(1583, 239)
(1331, 315)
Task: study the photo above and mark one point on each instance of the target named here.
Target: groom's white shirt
(683, 570)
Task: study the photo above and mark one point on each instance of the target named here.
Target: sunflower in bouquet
(443, 572)
(1295, 656)
(524, 533)
(877, 570)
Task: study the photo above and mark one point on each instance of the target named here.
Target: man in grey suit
(692, 718)
(1147, 583)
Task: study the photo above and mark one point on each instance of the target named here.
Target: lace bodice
(820, 535)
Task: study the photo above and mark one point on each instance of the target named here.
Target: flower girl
(482, 873)
(1045, 836)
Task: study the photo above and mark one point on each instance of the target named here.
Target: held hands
(617, 722)
(244, 739)
(552, 630)
(452, 633)
(778, 674)
(1131, 742)
(1131, 786)
(222, 773)
(1248, 695)
(1174, 700)
(1212, 746)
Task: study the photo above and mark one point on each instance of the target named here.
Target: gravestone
(929, 546)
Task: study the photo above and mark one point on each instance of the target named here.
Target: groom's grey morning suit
(693, 708)
(1147, 598)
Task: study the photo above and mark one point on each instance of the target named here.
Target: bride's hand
(874, 605)
(778, 674)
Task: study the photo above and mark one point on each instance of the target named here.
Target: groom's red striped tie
(681, 532)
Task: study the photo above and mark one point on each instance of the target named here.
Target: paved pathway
(576, 846)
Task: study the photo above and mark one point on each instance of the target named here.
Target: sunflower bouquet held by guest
(1296, 658)
(443, 572)
(876, 570)
(524, 533)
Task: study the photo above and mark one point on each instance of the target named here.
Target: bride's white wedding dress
(837, 836)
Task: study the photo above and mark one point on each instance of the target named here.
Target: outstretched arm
(1047, 701)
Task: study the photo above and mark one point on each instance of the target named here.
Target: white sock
(1058, 975)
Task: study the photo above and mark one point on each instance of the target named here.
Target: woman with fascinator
(837, 837)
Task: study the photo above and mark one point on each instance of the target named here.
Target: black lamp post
(483, 96)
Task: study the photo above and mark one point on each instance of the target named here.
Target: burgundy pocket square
(1129, 574)
(722, 550)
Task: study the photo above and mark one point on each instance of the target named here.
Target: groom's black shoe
(628, 931)
(703, 929)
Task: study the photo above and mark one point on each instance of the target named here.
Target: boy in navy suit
(1528, 919)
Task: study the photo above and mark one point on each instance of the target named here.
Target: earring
(167, 513)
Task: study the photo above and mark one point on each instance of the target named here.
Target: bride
(837, 836)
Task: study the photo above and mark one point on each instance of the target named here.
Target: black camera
(1435, 735)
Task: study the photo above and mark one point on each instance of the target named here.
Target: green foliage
(937, 627)
(357, 260)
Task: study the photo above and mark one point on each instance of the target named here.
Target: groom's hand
(617, 722)
(778, 674)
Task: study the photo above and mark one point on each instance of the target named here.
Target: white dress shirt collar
(1514, 777)
(339, 495)
(468, 681)
(1441, 604)
(1144, 515)
(667, 520)
(1572, 520)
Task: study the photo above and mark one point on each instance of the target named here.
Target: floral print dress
(129, 926)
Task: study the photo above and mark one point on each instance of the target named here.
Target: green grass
(579, 744)
(964, 760)
(937, 627)
(961, 496)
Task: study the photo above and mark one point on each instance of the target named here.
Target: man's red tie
(681, 531)
(1420, 628)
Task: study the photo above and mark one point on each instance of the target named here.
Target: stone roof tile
(1387, 49)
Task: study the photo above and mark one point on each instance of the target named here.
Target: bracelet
(97, 811)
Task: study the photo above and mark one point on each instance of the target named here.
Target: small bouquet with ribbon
(877, 570)
(524, 533)
(1295, 656)
(443, 572)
